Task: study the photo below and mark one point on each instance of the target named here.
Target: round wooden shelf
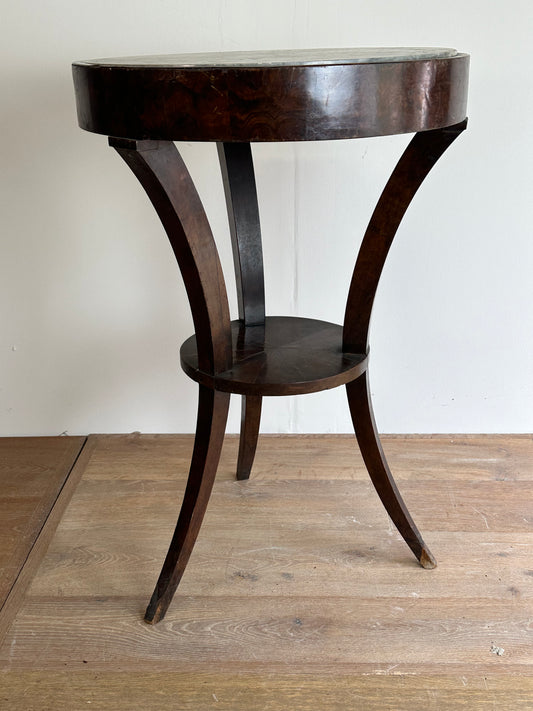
(285, 356)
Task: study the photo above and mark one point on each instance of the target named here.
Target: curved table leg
(236, 164)
(166, 180)
(161, 171)
(367, 437)
(419, 157)
(250, 420)
(212, 415)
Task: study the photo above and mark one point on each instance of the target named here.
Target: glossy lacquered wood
(278, 100)
(238, 178)
(250, 421)
(212, 414)
(285, 356)
(233, 102)
(418, 159)
(162, 172)
(359, 399)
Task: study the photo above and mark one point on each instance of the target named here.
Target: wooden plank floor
(299, 593)
(33, 473)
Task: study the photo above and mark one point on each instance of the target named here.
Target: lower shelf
(285, 356)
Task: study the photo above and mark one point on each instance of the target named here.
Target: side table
(234, 99)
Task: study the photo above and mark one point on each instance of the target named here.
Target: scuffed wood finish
(301, 632)
(298, 594)
(165, 98)
(235, 691)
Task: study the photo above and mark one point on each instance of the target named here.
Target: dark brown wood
(162, 173)
(243, 214)
(366, 432)
(250, 421)
(245, 230)
(419, 157)
(417, 160)
(212, 414)
(270, 96)
(286, 356)
(234, 99)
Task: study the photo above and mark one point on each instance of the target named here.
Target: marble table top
(277, 58)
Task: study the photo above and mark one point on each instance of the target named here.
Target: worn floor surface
(299, 593)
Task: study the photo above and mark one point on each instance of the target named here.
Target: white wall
(92, 309)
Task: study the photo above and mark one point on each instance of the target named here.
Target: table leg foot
(211, 424)
(250, 420)
(427, 560)
(367, 436)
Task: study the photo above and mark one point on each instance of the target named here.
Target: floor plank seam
(43, 526)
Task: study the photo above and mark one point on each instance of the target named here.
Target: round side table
(145, 103)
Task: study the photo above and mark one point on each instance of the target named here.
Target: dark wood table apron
(146, 103)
